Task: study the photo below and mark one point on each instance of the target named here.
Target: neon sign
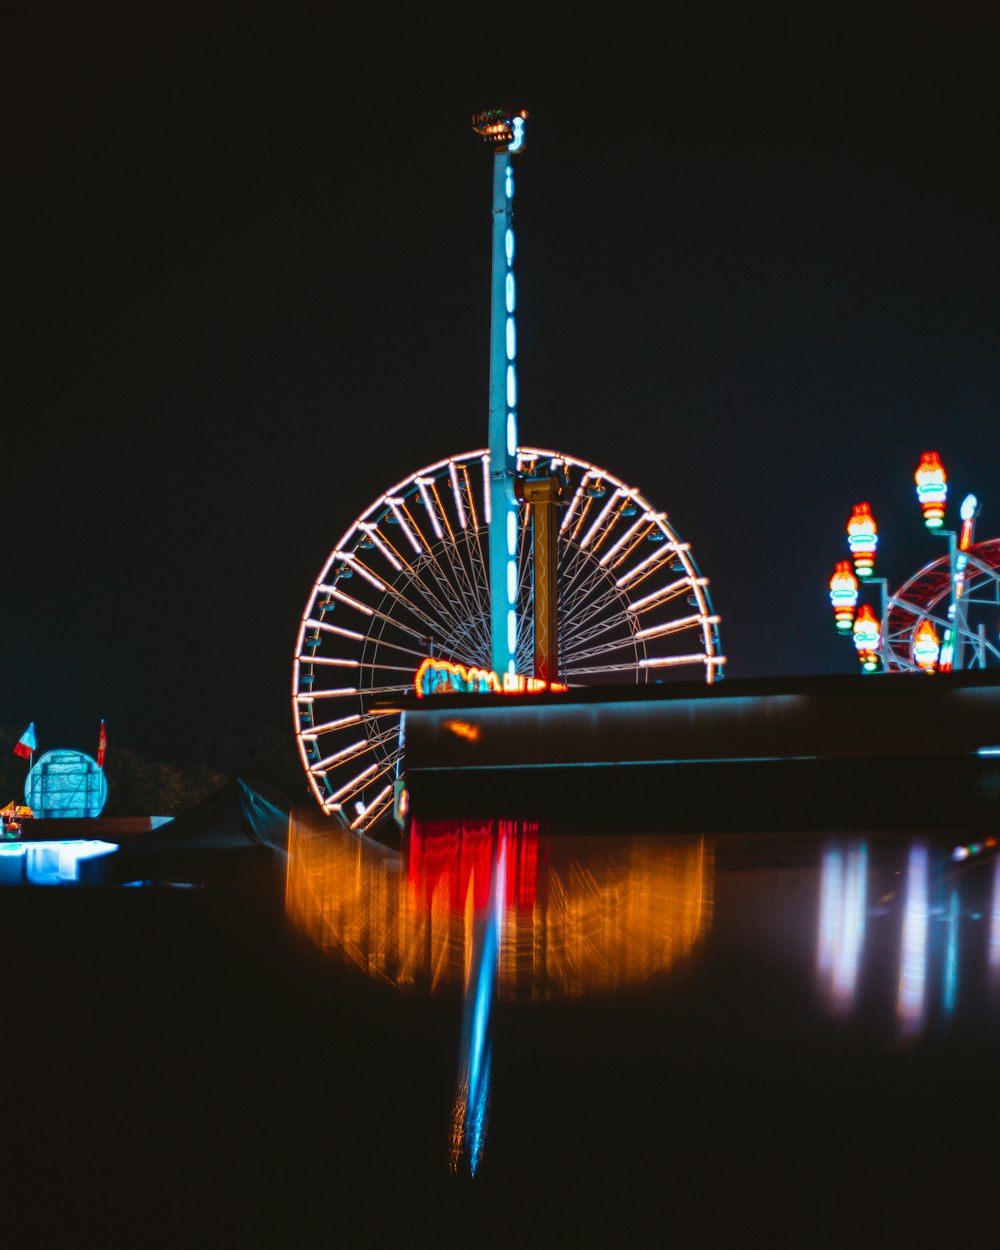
(442, 677)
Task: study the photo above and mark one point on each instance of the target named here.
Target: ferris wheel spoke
(322, 767)
(974, 563)
(649, 565)
(472, 598)
(344, 722)
(377, 807)
(419, 656)
(574, 568)
(608, 647)
(589, 611)
(589, 594)
(469, 495)
(582, 515)
(598, 670)
(571, 511)
(342, 692)
(459, 581)
(445, 615)
(378, 666)
(601, 526)
(627, 535)
(368, 776)
(594, 601)
(675, 661)
(365, 610)
(695, 621)
(573, 640)
(665, 594)
(411, 575)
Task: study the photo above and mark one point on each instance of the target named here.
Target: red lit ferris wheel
(946, 616)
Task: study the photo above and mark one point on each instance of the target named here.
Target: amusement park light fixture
(862, 538)
(867, 638)
(926, 647)
(932, 488)
(844, 596)
(924, 626)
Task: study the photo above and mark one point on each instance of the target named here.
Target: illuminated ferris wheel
(947, 615)
(409, 579)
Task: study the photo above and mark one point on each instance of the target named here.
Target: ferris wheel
(919, 613)
(409, 579)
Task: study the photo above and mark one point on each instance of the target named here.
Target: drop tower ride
(504, 129)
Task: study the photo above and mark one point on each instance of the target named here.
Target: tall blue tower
(504, 129)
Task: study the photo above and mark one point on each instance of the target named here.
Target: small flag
(102, 746)
(26, 744)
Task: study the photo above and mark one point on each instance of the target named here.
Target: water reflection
(503, 911)
(843, 901)
(911, 996)
(898, 935)
(575, 915)
(469, 1115)
(995, 922)
(930, 911)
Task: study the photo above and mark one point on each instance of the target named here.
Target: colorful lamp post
(932, 489)
(862, 538)
(926, 647)
(867, 638)
(844, 596)
(914, 647)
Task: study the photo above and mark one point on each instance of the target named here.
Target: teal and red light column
(504, 128)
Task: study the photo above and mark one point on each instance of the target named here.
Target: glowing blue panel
(66, 783)
(511, 433)
(49, 863)
(510, 182)
(12, 860)
(509, 246)
(511, 581)
(510, 292)
(512, 633)
(511, 339)
(518, 141)
(511, 387)
(511, 533)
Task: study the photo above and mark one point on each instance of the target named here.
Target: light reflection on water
(501, 911)
(934, 928)
(577, 915)
(895, 931)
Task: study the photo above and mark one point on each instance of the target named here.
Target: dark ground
(183, 1069)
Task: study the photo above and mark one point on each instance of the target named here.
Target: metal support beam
(544, 492)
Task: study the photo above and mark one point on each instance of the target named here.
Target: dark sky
(246, 259)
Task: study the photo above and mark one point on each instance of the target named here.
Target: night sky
(246, 278)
